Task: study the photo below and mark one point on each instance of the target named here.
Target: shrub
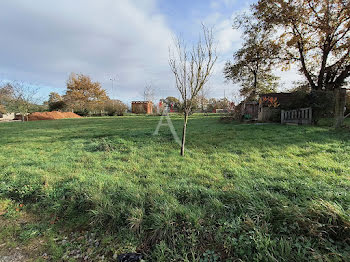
(115, 107)
(322, 103)
(82, 112)
(57, 106)
(237, 112)
(139, 110)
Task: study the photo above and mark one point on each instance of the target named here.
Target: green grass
(241, 193)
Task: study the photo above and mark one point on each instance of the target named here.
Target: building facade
(142, 107)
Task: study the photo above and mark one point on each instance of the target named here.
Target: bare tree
(236, 97)
(148, 93)
(192, 69)
(22, 98)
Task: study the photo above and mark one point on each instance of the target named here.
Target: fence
(302, 116)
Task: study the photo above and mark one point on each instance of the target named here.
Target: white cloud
(43, 41)
(216, 4)
(288, 79)
(229, 41)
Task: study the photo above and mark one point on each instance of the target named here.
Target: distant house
(142, 107)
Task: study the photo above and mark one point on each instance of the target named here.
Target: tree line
(83, 96)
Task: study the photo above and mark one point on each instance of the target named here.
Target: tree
(212, 105)
(236, 97)
(315, 35)
(222, 103)
(6, 96)
(202, 98)
(253, 63)
(172, 102)
(83, 94)
(2, 109)
(347, 104)
(56, 102)
(20, 98)
(148, 93)
(192, 69)
(115, 107)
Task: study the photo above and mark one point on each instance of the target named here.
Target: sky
(127, 41)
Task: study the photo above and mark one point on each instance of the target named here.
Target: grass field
(242, 192)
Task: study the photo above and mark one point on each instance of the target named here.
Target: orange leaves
(285, 67)
(269, 101)
(83, 93)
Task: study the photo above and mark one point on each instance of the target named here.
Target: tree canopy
(56, 102)
(6, 96)
(253, 62)
(84, 94)
(314, 34)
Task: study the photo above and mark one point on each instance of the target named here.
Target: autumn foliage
(315, 36)
(84, 94)
(269, 101)
(85, 97)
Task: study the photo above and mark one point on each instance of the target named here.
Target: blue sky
(184, 16)
(44, 41)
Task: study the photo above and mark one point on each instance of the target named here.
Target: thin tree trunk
(255, 85)
(340, 101)
(184, 135)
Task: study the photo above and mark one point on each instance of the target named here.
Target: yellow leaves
(285, 67)
(2, 109)
(293, 41)
(83, 92)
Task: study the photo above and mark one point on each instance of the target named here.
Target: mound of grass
(249, 192)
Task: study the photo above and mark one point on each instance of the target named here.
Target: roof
(141, 102)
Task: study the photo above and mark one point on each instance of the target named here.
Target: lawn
(243, 192)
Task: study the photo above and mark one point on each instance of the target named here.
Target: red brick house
(142, 107)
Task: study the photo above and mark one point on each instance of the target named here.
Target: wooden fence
(302, 116)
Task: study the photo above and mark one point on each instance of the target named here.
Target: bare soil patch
(51, 115)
